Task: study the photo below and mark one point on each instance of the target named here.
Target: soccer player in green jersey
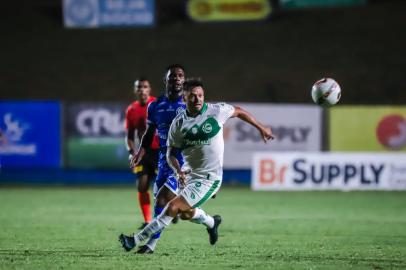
(198, 133)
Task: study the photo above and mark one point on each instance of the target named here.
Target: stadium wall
(89, 137)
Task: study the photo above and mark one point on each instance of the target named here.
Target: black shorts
(148, 164)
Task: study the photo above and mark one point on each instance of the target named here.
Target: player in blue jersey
(161, 112)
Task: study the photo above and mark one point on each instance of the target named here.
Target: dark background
(278, 60)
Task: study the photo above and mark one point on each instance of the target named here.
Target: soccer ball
(326, 92)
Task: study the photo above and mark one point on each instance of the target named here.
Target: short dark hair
(191, 83)
(173, 66)
(141, 79)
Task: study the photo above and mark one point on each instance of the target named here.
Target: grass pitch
(57, 228)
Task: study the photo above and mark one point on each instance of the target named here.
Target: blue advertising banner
(30, 134)
(107, 13)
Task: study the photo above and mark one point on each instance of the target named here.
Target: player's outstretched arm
(146, 141)
(266, 132)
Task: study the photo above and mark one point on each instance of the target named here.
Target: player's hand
(182, 177)
(130, 158)
(267, 134)
(136, 159)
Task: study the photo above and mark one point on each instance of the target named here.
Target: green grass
(56, 228)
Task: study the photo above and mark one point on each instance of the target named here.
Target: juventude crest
(207, 127)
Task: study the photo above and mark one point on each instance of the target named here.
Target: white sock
(157, 225)
(200, 217)
(152, 243)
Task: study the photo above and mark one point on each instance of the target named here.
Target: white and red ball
(326, 92)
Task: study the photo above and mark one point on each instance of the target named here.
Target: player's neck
(192, 113)
(142, 102)
(173, 96)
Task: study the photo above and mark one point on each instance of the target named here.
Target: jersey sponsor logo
(199, 142)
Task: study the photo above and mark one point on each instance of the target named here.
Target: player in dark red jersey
(135, 122)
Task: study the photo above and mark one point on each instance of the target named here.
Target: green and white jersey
(201, 140)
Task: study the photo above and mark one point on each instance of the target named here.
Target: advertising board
(319, 3)
(328, 171)
(296, 127)
(30, 134)
(228, 10)
(367, 128)
(107, 13)
(95, 136)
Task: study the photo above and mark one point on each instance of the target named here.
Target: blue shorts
(166, 176)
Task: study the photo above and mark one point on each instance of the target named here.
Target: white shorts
(198, 191)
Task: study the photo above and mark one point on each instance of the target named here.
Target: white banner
(297, 128)
(326, 171)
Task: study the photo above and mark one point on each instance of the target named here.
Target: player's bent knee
(173, 208)
(178, 206)
(184, 216)
(187, 215)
